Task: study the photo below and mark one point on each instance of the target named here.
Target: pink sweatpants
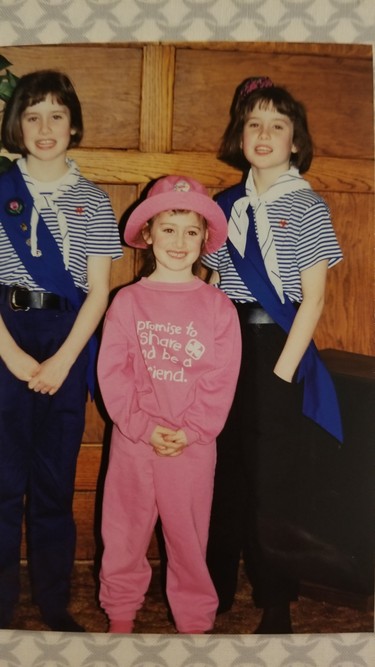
(140, 486)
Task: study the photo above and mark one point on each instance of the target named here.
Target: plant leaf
(7, 84)
(4, 63)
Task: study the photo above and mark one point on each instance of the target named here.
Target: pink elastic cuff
(121, 626)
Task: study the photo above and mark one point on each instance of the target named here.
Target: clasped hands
(168, 442)
(45, 377)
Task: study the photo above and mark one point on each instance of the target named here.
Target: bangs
(34, 97)
(274, 99)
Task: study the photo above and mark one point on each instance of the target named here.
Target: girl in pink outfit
(168, 367)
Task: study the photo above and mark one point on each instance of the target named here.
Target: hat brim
(190, 201)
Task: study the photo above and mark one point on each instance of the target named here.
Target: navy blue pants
(40, 437)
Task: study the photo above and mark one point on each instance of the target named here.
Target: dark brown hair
(230, 150)
(31, 89)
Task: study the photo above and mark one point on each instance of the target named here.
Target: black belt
(253, 313)
(21, 298)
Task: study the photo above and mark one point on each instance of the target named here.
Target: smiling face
(267, 140)
(177, 238)
(46, 130)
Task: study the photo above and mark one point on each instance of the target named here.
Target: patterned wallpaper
(59, 21)
(73, 21)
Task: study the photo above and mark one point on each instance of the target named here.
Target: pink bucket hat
(178, 192)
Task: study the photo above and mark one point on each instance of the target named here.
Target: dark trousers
(261, 495)
(40, 436)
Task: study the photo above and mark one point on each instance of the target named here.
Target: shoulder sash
(47, 270)
(320, 401)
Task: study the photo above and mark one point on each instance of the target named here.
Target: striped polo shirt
(304, 235)
(92, 229)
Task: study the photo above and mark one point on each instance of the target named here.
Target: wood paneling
(154, 109)
(157, 98)
(110, 166)
(348, 318)
(107, 80)
(334, 90)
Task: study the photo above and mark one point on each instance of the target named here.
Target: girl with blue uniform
(58, 235)
(273, 266)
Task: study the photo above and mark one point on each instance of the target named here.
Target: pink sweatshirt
(170, 355)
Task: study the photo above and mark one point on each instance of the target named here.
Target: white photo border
(26, 22)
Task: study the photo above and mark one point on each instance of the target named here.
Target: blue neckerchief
(48, 270)
(319, 396)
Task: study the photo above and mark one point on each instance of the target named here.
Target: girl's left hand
(52, 373)
(175, 444)
(167, 442)
(288, 379)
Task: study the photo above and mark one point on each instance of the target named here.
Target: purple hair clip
(255, 83)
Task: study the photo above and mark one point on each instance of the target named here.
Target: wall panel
(334, 90)
(108, 81)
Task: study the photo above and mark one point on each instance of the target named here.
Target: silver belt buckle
(12, 298)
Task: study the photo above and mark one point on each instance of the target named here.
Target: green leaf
(4, 63)
(7, 85)
(12, 78)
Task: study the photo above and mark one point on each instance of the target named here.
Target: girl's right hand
(166, 441)
(176, 443)
(18, 362)
(21, 365)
